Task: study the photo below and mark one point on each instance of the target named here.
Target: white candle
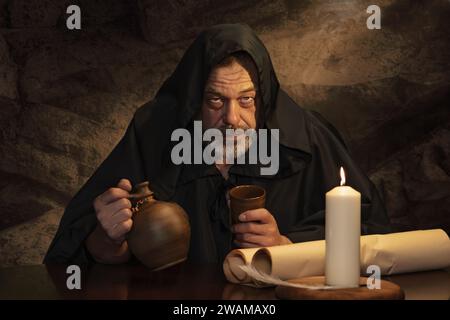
(342, 235)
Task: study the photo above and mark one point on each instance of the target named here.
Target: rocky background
(66, 97)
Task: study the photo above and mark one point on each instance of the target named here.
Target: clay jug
(161, 232)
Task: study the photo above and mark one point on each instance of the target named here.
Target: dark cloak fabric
(311, 152)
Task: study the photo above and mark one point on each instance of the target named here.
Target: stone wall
(66, 97)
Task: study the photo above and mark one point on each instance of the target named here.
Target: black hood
(179, 100)
(188, 80)
(278, 110)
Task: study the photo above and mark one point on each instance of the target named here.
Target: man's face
(229, 99)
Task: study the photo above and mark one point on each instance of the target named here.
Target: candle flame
(342, 176)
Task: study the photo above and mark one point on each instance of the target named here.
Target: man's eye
(215, 100)
(247, 100)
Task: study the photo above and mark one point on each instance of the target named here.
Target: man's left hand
(258, 228)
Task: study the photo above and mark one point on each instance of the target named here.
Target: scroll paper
(394, 253)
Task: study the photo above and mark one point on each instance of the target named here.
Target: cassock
(311, 152)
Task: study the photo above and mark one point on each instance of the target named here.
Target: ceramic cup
(245, 197)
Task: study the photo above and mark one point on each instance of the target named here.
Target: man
(226, 80)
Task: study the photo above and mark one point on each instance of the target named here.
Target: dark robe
(311, 152)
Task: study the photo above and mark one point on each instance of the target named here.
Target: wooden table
(184, 281)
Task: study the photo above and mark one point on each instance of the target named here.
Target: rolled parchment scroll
(394, 253)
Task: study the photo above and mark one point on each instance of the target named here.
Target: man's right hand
(113, 211)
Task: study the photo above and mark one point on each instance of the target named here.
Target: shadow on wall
(66, 97)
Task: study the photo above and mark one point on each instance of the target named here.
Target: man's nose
(231, 113)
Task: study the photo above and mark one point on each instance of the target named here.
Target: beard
(235, 144)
